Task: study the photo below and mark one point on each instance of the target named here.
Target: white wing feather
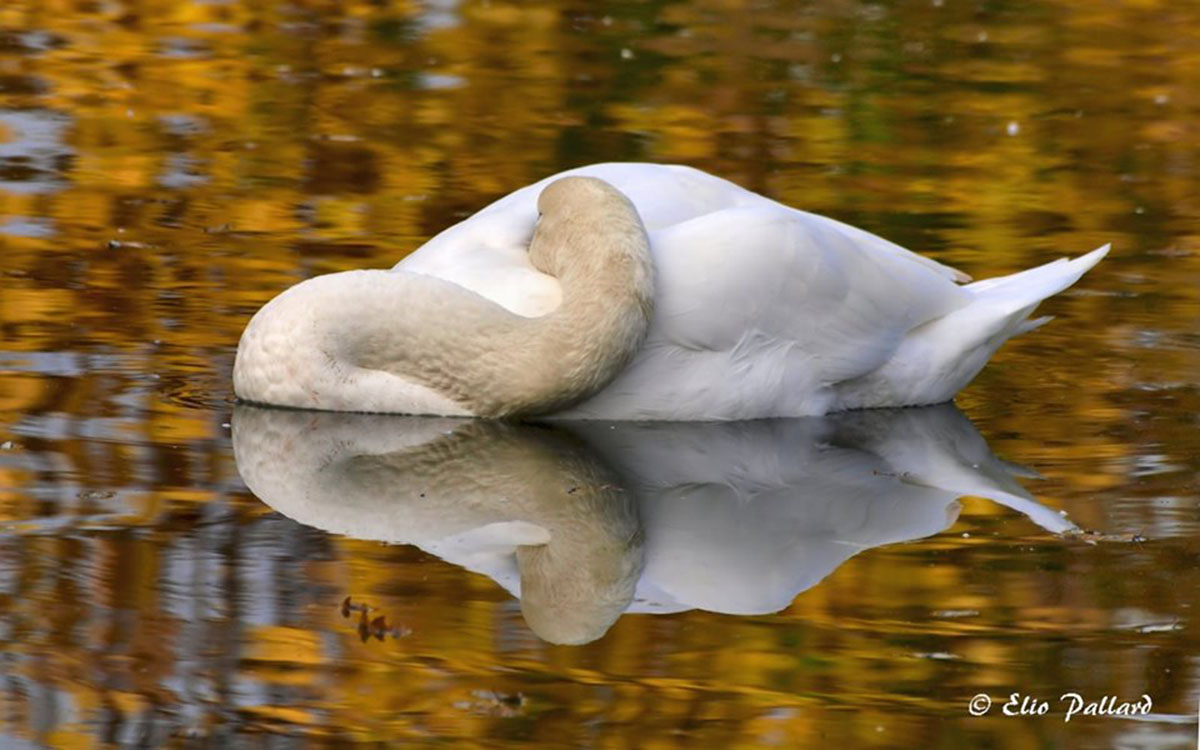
(761, 310)
(772, 307)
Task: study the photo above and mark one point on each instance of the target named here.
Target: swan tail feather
(938, 358)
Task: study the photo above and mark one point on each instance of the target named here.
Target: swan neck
(369, 340)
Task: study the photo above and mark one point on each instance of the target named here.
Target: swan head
(568, 195)
(584, 221)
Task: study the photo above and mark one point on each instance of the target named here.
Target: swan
(584, 521)
(639, 292)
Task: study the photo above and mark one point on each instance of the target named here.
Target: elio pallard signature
(1075, 704)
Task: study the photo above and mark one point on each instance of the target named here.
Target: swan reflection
(584, 521)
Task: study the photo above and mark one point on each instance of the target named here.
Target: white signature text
(1076, 705)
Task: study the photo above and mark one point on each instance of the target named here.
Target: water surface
(167, 167)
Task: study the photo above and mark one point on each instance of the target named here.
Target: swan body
(710, 302)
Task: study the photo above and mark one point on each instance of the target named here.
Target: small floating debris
(1092, 536)
(348, 607)
(118, 244)
(938, 656)
(946, 614)
(8, 445)
(493, 703)
(1158, 627)
(372, 627)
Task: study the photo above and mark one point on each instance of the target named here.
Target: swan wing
(489, 255)
(487, 252)
(669, 194)
(760, 310)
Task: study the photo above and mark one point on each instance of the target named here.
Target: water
(165, 168)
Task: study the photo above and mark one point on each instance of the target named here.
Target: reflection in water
(491, 496)
(584, 521)
(34, 156)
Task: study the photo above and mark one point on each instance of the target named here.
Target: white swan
(645, 292)
(584, 521)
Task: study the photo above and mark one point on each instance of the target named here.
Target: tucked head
(583, 218)
(571, 194)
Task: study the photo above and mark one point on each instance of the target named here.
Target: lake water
(178, 573)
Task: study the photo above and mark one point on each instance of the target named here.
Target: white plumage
(760, 310)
